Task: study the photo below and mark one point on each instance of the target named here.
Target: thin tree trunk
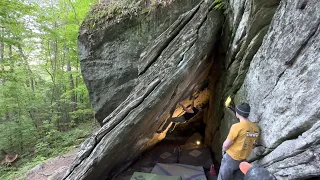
(32, 111)
(10, 51)
(1, 45)
(25, 62)
(3, 80)
(71, 84)
(19, 124)
(1, 51)
(7, 116)
(77, 82)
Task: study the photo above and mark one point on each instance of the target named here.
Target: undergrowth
(54, 143)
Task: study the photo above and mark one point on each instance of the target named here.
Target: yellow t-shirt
(243, 134)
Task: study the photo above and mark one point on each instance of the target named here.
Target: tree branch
(74, 11)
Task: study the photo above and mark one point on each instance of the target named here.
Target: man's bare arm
(192, 103)
(227, 143)
(186, 109)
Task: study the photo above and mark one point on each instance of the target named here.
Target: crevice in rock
(166, 106)
(92, 140)
(295, 153)
(194, 40)
(125, 111)
(240, 42)
(241, 56)
(297, 164)
(253, 47)
(238, 20)
(307, 146)
(197, 33)
(171, 33)
(294, 135)
(244, 33)
(302, 4)
(106, 129)
(310, 146)
(274, 3)
(282, 158)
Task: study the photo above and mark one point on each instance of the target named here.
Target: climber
(189, 113)
(239, 143)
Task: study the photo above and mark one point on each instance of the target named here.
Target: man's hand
(223, 151)
(227, 143)
(186, 109)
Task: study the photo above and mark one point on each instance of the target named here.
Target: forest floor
(51, 166)
(53, 169)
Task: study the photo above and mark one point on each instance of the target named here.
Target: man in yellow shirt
(239, 143)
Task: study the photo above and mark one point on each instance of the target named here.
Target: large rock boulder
(137, 69)
(247, 23)
(114, 52)
(281, 86)
(140, 78)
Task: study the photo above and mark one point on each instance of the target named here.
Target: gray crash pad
(149, 176)
(196, 156)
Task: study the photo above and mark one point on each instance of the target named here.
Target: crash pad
(149, 176)
(186, 172)
(196, 156)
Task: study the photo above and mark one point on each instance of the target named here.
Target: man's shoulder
(245, 125)
(255, 125)
(236, 125)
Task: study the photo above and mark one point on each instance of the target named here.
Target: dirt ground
(53, 169)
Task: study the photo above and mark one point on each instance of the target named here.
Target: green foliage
(50, 145)
(54, 142)
(220, 4)
(18, 137)
(19, 171)
(11, 18)
(44, 104)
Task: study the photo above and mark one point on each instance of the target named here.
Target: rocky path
(53, 169)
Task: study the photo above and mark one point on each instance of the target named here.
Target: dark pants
(229, 169)
(172, 120)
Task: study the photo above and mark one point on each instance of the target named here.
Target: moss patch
(115, 10)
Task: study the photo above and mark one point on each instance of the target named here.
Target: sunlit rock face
(137, 71)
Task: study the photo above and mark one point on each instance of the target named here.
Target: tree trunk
(27, 66)
(77, 82)
(1, 51)
(2, 69)
(3, 80)
(71, 84)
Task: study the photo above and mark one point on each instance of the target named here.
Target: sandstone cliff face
(137, 69)
(140, 79)
(111, 52)
(246, 25)
(281, 86)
